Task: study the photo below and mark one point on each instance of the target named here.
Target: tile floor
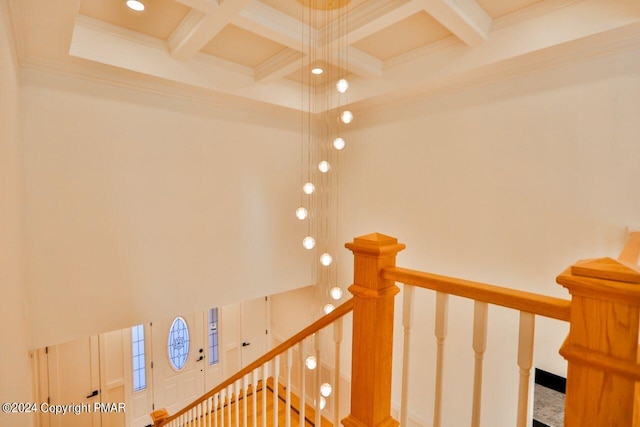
(548, 407)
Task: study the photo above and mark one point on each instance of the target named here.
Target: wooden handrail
(316, 326)
(631, 251)
(555, 308)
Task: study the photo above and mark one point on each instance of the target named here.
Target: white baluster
(316, 343)
(245, 387)
(303, 383)
(276, 373)
(223, 395)
(337, 339)
(442, 304)
(407, 322)
(525, 361)
(288, 402)
(216, 402)
(229, 396)
(479, 347)
(236, 386)
(254, 403)
(265, 375)
(209, 410)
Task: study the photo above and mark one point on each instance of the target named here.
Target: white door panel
(115, 382)
(74, 379)
(253, 327)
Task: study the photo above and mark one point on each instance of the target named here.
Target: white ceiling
(258, 52)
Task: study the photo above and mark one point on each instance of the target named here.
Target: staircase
(603, 380)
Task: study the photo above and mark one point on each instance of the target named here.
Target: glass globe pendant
(324, 166)
(301, 213)
(336, 293)
(342, 85)
(308, 188)
(326, 389)
(311, 363)
(328, 308)
(326, 259)
(308, 242)
(346, 117)
(338, 143)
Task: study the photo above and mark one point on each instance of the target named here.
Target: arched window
(178, 343)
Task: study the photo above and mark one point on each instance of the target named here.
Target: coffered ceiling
(259, 52)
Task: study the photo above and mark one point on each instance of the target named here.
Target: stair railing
(601, 348)
(215, 407)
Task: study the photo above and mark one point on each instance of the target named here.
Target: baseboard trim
(552, 381)
(537, 423)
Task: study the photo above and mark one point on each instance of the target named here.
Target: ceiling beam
(464, 18)
(279, 66)
(272, 24)
(357, 62)
(369, 18)
(198, 28)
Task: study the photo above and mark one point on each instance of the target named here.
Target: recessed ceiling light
(136, 5)
(317, 70)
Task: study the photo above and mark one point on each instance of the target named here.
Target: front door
(179, 359)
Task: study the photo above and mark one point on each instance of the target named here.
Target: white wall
(140, 206)
(509, 184)
(291, 312)
(15, 385)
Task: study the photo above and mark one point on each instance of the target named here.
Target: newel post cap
(159, 415)
(608, 269)
(375, 244)
(603, 279)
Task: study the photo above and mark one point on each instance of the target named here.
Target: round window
(178, 343)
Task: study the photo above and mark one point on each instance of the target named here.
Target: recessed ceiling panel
(159, 18)
(329, 72)
(317, 18)
(242, 47)
(498, 8)
(411, 33)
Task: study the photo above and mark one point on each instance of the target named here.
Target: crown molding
(80, 69)
(532, 12)
(598, 46)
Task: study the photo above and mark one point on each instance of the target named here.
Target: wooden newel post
(372, 331)
(158, 416)
(602, 346)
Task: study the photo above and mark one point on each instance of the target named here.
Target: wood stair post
(158, 416)
(602, 345)
(372, 331)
